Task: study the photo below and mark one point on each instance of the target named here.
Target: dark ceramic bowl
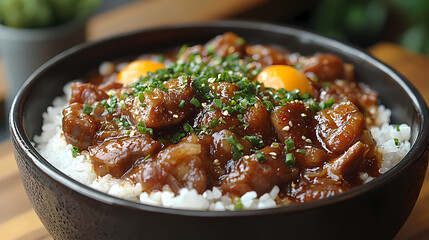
(70, 210)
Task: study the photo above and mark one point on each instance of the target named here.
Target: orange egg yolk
(136, 69)
(287, 77)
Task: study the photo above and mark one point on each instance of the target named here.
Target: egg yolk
(136, 69)
(287, 77)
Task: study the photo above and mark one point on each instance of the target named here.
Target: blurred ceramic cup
(24, 50)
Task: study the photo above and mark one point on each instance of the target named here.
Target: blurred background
(361, 22)
(395, 31)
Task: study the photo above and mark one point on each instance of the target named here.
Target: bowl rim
(420, 146)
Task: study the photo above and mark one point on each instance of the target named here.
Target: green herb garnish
(238, 205)
(290, 159)
(195, 102)
(397, 143)
(146, 158)
(75, 151)
(123, 123)
(256, 141)
(213, 123)
(182, 103)
(236, 147)
(289, 144)
(188, 128)
(301, 151)
(260, 157)
(87, 109)
(141, 127)
(327, 104)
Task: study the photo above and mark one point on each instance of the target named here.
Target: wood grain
(17, 218)
(414, 66)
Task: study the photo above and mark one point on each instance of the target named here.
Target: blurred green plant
(363, 21)
(43, 13)
(416, 37)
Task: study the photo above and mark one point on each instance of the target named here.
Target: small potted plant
(33, 31)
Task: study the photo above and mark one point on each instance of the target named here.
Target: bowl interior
(47, 82)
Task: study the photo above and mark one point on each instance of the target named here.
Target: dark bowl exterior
(70, 210)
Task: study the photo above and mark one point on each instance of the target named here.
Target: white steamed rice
(52, 145)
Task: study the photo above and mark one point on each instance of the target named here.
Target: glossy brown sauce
(166, 140)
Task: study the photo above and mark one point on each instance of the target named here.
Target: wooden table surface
(17, 218)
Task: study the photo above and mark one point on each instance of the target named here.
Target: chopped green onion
(122, 102)
(123, 123)
(75, 151)
(238, 205)
(87, 109)
(188, 128)
(240, 117)
(236, 147)
(182, 51)
(240, 41)
(141, 127)
(213, 123)
(222, 120)
(210, 49)
(141, 97)
(301, 151)
(327, 104)
(256, 141)
(182, 103)
(145, 158)
(195, 102)
(177, 137)
(275, 144)
(110, 105)
(290, 159)
(289, 144)
(217, 103)
(397, 143)
(397, 128)
(260, 157)
(326, 85)
(268, 105)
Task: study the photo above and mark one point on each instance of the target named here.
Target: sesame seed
(204, 104)
(175, 116)
(286, 128)
(246, 157)
(216, 162)
(225, 113)
(273, 154)
(303, 115)
(290, 124)
(308, 140)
